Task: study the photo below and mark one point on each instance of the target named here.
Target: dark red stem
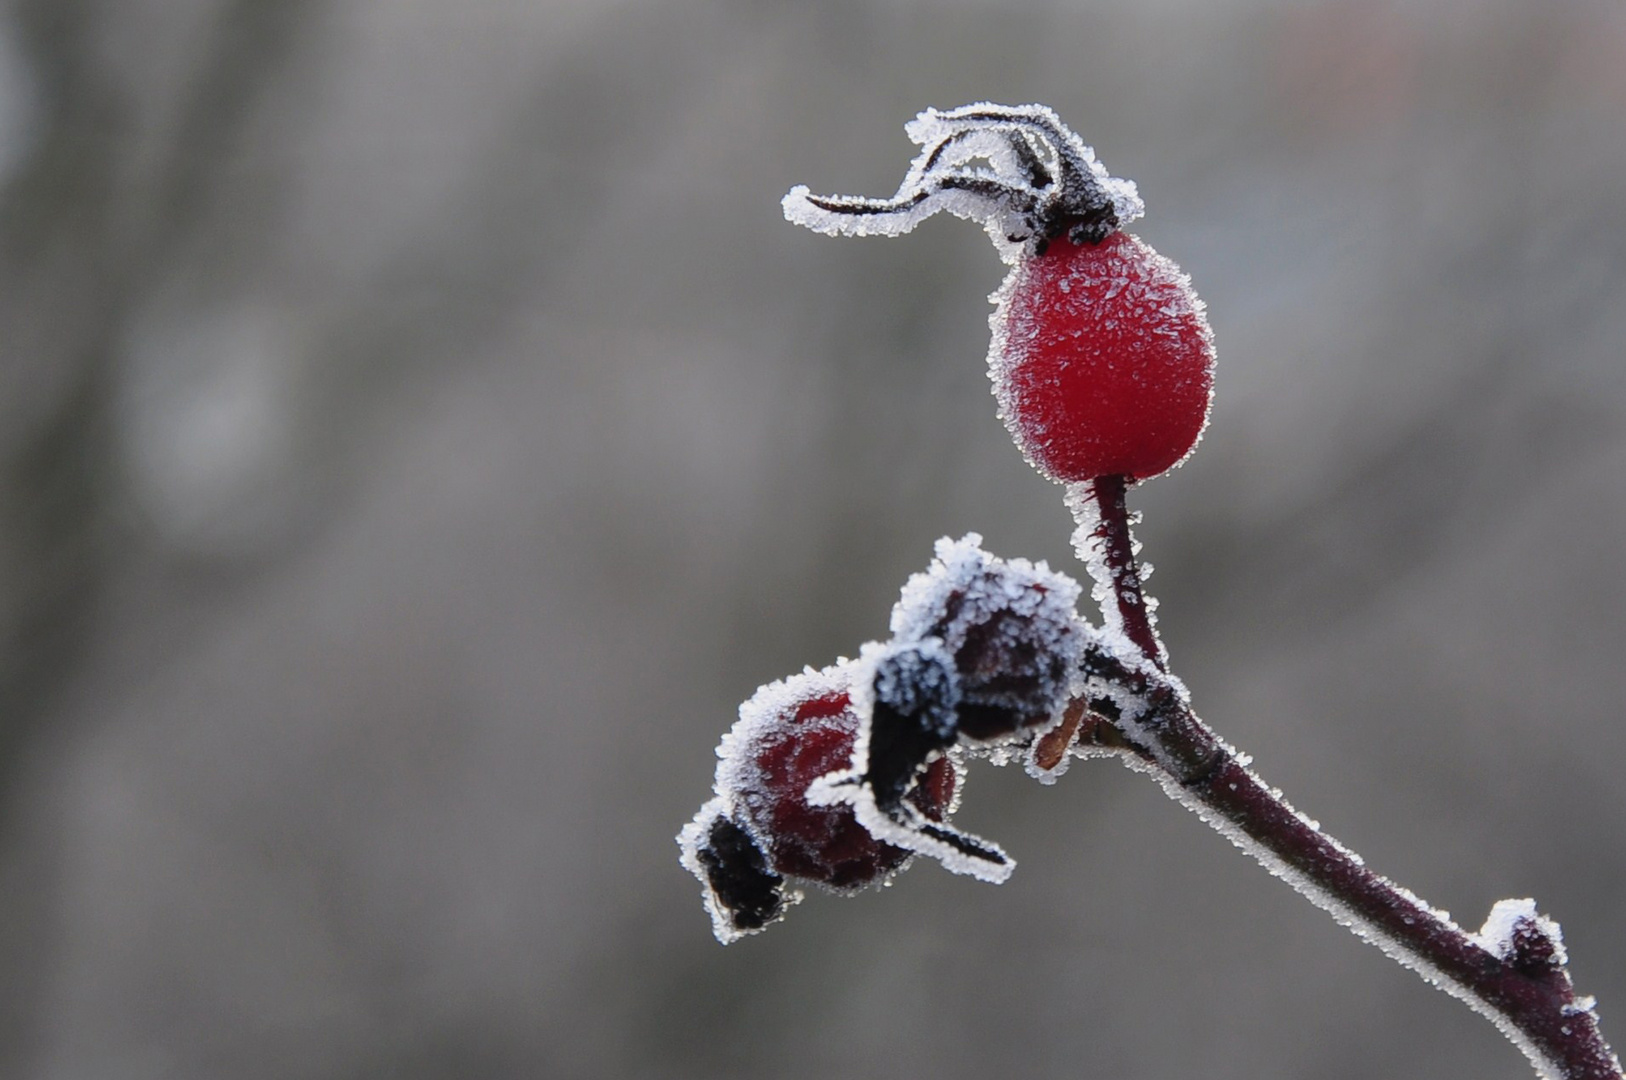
(1529, 989)
(1118, 546)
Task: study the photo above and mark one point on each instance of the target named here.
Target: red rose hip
(821, 843)
(1102, 359)
(759, 838)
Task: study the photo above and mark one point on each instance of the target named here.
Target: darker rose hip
(1011, 628)
(824, 843)
(760, 837)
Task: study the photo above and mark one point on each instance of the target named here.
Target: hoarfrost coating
(1514, 923)
(1102, 360)
(1090, 543)
(1012, 628)
(984, 582)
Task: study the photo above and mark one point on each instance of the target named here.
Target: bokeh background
(419, 430)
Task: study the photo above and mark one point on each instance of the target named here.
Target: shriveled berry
(819, 843)
(1102, 359)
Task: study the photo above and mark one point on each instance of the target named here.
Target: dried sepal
(909, 695)
(1016, 169)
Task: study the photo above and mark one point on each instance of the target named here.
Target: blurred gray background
(419, 431)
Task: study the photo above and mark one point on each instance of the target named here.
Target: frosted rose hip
(1012, 628)
(1102, 360)
(759, 837)
(822, 843)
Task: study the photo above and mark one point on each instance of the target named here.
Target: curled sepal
(1017, 170)
(907, 696)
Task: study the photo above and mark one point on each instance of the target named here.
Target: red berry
(760, 828)
(823, 843)
(1102, 360)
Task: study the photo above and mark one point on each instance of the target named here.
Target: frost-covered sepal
(907, 696)
(1017, 170)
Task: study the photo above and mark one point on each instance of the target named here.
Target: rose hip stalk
(1102, 362)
